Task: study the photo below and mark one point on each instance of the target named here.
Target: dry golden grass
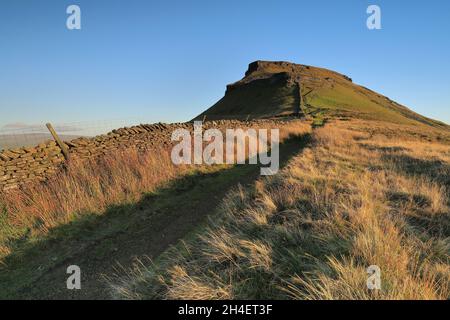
(360, 195)
(85, 187)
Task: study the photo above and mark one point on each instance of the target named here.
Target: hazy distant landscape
(9, 141)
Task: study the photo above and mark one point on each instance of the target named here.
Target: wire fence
(14, 136)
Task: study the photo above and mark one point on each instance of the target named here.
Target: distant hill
(8, 141)
(273, 89)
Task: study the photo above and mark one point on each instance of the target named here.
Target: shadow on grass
(435, 170)
(419, 215)
(98, 242)
(393, 149)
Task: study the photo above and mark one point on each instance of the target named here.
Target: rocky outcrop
(271, 89)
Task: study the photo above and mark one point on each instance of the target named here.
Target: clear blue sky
(169, 60)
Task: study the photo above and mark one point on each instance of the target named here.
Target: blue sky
(169, 60)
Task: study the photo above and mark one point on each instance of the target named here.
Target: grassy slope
(344, 98)
(354, 101)
(258, 96)
(364, 193)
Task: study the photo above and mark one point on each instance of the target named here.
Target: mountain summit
(278, 88)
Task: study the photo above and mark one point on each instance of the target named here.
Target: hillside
(274, 89)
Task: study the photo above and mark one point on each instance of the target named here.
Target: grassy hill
(272, 89)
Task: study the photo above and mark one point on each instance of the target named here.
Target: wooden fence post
(58, 141)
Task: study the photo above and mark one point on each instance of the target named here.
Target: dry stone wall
(21, 165)
(30, 164)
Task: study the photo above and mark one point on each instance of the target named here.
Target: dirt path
(99, 244)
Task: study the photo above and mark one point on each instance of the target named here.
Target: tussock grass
(349, 201)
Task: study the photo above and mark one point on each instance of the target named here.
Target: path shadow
(419, 215)
(96, 243)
